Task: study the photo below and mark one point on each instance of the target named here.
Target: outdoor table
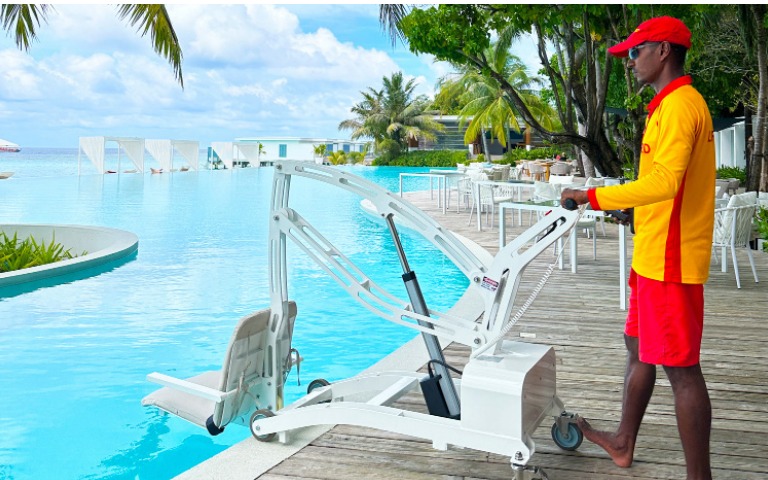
(442, 187)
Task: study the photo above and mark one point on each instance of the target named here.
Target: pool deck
(579, 315)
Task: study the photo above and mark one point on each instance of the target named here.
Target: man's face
(644, 62)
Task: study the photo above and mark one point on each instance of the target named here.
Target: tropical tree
(486, 105)
(578, 72)
(753, 20)
(320, 150)
(23, 20)
(392, 116)
(261, 151)
(337, 158)
(359, 157)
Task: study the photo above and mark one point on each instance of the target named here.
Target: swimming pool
(73, 357)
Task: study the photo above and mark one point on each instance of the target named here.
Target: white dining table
(549, 205)
(442, 187)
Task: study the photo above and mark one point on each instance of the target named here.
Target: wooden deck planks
(579, 316)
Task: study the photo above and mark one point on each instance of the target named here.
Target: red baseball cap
(658, 29)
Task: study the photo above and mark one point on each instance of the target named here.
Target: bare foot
(618, 448)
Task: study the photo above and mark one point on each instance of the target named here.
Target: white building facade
(299, 149)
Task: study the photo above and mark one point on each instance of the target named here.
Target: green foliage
(393, 114)
(480, 157)
(388, 150)
(761, 220)
(732, 172)
(320, 150)
(337, 158)
(427, 158)
(520, 154)
(486, 106)
(16, 255)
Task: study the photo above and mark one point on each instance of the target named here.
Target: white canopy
(162, 151)
(248, 151)
(228, 152)
(95, 147)
(225, 151)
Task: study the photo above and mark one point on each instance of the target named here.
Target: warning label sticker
(489, 284)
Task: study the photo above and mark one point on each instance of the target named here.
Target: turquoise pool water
(73, 357)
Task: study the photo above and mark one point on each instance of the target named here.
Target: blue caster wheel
(569, 441)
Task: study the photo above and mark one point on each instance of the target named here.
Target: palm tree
(486, 105)
(320, 151)
(392, 116)
(337, 158)
(390, 15)
(22, 21)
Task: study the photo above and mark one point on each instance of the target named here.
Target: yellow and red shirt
(673, 195)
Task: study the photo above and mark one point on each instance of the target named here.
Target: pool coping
(250, 458)
(102, 244)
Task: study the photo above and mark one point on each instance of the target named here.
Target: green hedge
(733, 172)
(520, 154)
(426, 158)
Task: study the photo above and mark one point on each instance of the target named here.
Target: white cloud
(248, 70)
(18, 80)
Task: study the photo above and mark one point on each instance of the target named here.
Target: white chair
(733, 186)
(594, 182)
(214, 399)
(543, 191)
(733, 229)
(505, 172)
(537, 172)
(588, 223)
(721, 188)
(490, 196)
(561, 180)
(559, 168)
(597, 182)
(463, 191)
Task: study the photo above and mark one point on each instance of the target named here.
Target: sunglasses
(634, 52)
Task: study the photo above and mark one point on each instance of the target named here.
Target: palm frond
(154, 19)
(21, 21)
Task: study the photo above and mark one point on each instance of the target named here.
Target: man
(674, 215)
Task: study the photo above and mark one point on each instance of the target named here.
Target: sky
(253, 70)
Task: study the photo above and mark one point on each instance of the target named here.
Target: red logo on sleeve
(711, 136)
(646, 148)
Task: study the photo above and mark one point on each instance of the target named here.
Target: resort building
(452, 138)
(263, 151)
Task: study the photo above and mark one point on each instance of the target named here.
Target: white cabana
(225, 152)
(95, 149)
(231, 152)
(248, 152)
(163, 152)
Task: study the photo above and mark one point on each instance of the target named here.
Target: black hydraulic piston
(439, 391)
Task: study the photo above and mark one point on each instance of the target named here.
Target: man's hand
(578, 196)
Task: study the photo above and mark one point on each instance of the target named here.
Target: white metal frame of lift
(507, 388)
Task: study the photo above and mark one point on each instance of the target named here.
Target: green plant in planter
(761, 219)
(17, 255)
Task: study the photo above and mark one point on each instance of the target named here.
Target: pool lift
(507, 387)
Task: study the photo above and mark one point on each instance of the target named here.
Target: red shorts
(667, 318)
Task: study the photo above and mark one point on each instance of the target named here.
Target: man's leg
(639, 380)
(694, 418)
